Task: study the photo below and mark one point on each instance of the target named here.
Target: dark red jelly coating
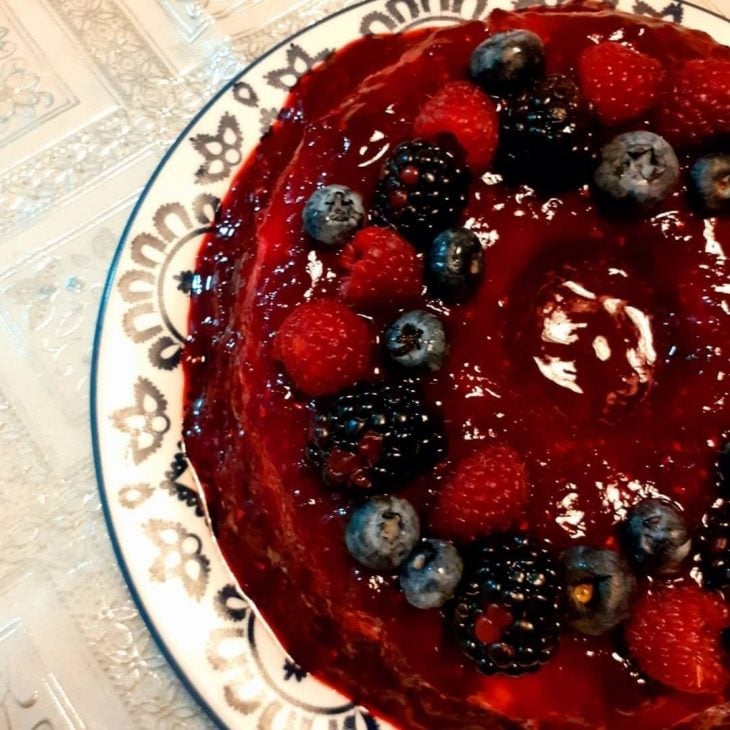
(597, 346)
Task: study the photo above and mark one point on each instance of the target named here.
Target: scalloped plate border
(208, 631)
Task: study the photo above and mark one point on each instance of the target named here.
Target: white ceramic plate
(207, 629)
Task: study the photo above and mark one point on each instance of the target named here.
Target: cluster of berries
(506, 595)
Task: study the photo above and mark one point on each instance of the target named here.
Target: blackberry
(714, 546)
(422, 190)
(506, 616)
(376, 437)
(547, 135)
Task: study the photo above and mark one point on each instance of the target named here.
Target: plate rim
(101, 316)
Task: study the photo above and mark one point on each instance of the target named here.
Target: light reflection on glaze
(572, 312)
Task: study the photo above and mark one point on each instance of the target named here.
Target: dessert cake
(456, 384)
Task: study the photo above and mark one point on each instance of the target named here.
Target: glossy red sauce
(653, 292)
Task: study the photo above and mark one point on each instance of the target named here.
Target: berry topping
(674, 634)
(376, 437)
(383, 269)
(655, 537)
(506, 615)
(714, 546)
(598, 589)
(431, 573)
(508, 62)
(324, 347)
(698, 107)
(332, 214)
(547, 135)
(382, 532)
(487, 492)
(417, 340)
(422, 190)
(464, 111)
(637, 167)
(620, 82)
(709, 182)
(455, 264)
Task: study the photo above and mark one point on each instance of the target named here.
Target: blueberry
(455, 264)
(655, 536)
(709, 182)
(417, 340)
(637, 167)
(382, 532)
(431, 573)
(598, 586)
(508, 61)
(332, 214)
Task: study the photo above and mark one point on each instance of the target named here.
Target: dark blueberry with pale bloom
(333, 214)
(431, 574)
(417, 340)
(508, 62)
(599, 586)
(655, 536)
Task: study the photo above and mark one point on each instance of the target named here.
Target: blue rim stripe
(98, 333)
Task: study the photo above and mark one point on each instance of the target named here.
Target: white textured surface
(91, 94)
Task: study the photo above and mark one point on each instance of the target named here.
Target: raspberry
(466, 112)
(621, 82)
(674, 634)
(383, 268)
(376, 437)
(324, 347)
(698, 107)
(487, 492)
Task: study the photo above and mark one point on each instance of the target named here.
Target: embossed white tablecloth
(91, 94)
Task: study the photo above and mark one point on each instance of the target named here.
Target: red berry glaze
(621, 82)
(488, 492)
(464, 111)
(383, 268)
(324, 347)
(697, 107)
(246, 434)
(674, 634)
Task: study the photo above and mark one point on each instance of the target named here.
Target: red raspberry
(324, 347)
(698, 107)
(487, 492)
(674, 634)
(383, 268)
(463, 110)
(621, 82)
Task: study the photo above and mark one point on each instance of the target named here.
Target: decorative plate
(210, 633)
